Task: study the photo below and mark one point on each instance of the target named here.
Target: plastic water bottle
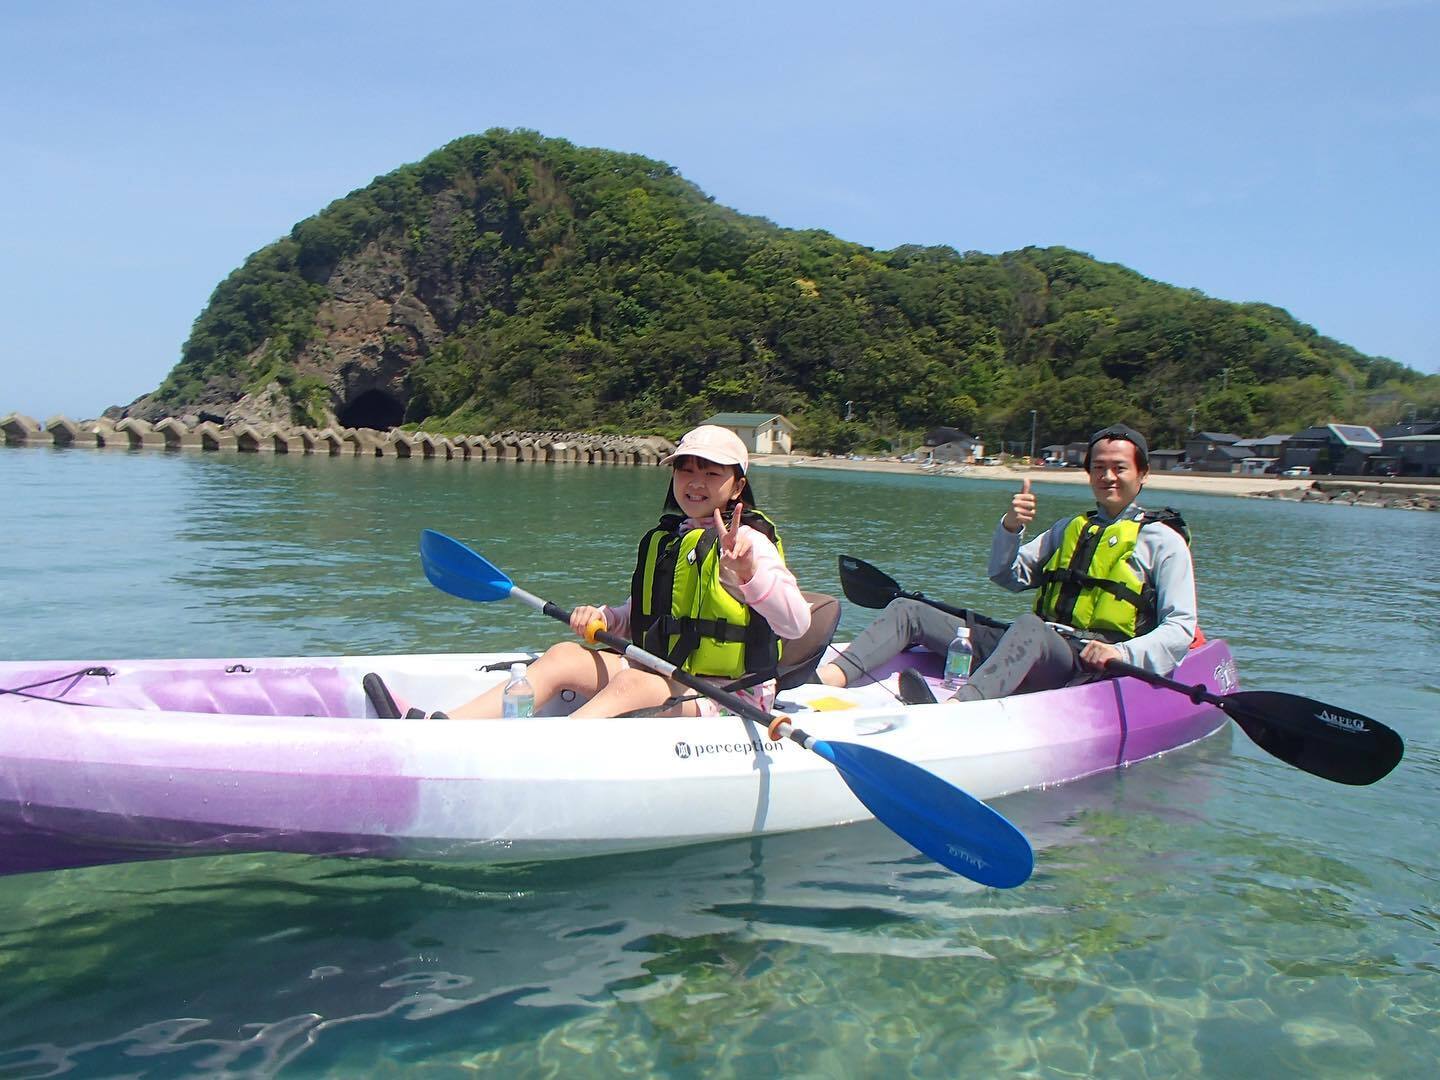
(519, 697)
(958, 658)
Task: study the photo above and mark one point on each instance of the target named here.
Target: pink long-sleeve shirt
(771, 591)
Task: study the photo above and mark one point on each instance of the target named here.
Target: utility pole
(1032, 436)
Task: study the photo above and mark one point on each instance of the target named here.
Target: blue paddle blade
(955, 829)
(453, 568)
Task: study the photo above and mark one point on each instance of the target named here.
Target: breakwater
(172, 434)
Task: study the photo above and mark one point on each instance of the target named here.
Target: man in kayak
(1118, 580)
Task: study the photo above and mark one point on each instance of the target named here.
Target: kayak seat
(801, 657)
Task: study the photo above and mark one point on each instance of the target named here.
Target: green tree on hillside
(549, 285)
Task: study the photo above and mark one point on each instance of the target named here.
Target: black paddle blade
(864, 584)
(1318, 738)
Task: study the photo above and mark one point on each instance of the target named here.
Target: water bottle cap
(517, 670)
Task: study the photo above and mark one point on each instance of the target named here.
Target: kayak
(127, 760)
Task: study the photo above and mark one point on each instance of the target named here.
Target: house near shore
(1410, 427)
(1066, 453)
(1200, 444)
(1268, 448)
(952, 446)
(1166, 459)
(762, 433)
(1222, 458)
(1222, 452)
(1341, 449)
(1259, 456)
(1411, 449)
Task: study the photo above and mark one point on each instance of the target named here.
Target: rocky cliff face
(326, 325)
(368, 332)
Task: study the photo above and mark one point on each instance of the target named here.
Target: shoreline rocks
(245, 437)
(1381, 495)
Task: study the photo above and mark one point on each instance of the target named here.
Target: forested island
(509, 280)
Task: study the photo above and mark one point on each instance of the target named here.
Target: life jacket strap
(1066, 575)
(711, 628)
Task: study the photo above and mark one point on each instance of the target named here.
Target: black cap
(1121, 431)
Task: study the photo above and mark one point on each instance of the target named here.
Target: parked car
(1297, 470)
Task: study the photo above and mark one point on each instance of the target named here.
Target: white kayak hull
(166, 758)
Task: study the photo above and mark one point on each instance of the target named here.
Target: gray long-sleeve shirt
(1161, 557)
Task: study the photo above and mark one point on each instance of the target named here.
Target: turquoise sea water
(1213, 913)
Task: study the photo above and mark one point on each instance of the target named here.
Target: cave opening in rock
(372, 409)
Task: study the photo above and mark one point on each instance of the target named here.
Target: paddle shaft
(628, 649)
(1196, 693)
(958, 612)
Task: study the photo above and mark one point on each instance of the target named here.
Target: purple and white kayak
(140, 759)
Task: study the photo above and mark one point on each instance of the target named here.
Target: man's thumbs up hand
(1022, 508)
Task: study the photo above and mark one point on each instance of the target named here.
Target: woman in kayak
(711, 593)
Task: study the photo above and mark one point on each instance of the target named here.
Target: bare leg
(567, 665)
(634, 688)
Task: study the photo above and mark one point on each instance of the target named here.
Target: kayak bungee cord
(73, 676)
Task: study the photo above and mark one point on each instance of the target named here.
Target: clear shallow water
(1214, 913)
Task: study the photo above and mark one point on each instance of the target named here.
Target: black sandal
(914, 690)
(380, 697)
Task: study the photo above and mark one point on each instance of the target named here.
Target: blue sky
(1274, 150)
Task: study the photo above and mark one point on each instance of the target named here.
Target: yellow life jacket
(680, 611)
(1090, 584)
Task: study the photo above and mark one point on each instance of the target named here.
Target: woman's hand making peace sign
(737, 560)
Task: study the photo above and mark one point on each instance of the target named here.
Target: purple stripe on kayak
(325, 801)
(55, 839)
(198, 686)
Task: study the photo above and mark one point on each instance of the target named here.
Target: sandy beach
(1409, 492)
(1206, 483)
